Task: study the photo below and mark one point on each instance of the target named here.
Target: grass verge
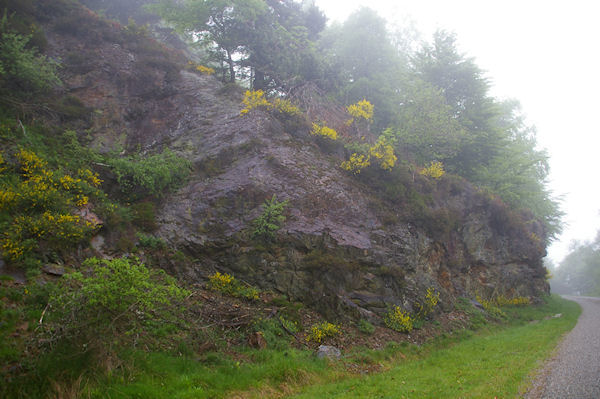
(489, 364)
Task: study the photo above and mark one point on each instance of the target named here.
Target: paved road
(574, 371)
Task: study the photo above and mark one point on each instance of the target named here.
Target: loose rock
(329, 352)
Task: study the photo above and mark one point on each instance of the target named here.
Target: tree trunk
(259, 80)
(231, 70)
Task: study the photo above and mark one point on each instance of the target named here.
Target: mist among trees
(579, 272)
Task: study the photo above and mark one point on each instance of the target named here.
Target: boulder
(329, 352)
(54, 269)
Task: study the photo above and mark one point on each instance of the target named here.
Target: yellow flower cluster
(385, 153)
(32, 164)
(227, 284)
(435, 170)
(220, 282)
(324, 131)
(382, 151)
(318, 332)
(26, 231)
(286, 107)
(205, 70)
(432, 298)
(2, 167)
(7, 198)
(485, 303)
(42, 189)
(12, 249)
(200, 68)
(362, 110)
(398, 320)
(254, 99)
(34, 202)
(501, 300)
(356, 163)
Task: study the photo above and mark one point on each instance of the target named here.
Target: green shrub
(149, 241)
(267, 224)
(432, 298)
(152, 175)
(365, 327)
(476, 317)
(144, 215)
(21, 67)
(273, 332)
(111, 301)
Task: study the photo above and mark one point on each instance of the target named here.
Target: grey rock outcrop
(347, 247)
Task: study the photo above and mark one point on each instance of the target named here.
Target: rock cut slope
(350, 245)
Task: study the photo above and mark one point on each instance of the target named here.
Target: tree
(495, 148)
(266, 39)
(363, 64)
(518, 172)
(579, 272)
(465, 89)
(424, 127)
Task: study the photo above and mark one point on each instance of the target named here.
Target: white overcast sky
(544, 54)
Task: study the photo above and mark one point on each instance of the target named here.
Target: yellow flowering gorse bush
(323, 131)
(227, 284)
(220, 281)
(41, 204)
(384, 152)
(205, 70)
(502, 300)
(381, 151)
(432, 298)
(286, 107)
(435, 170)
(318, 332)
(398, 320)
(362, 110)
(254, 99)
(200, 68)
(356, 163)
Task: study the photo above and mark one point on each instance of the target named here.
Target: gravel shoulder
(574, 369)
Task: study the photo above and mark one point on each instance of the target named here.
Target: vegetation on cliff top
(434, 102)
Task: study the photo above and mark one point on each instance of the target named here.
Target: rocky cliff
(350, 245)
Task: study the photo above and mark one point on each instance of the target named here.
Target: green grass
(214, 376)
(489, 364)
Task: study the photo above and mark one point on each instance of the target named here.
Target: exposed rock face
(344, 248)
(341, 247)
